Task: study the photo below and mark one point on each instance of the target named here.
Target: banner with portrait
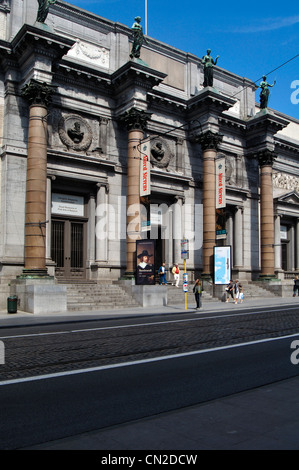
(145, 270)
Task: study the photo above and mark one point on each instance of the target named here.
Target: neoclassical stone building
(77, 115)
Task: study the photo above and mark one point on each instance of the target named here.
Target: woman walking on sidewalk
(237, 291)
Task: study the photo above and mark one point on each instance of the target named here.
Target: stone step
(97, 297)
(94, 296)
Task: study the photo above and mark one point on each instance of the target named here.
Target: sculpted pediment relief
(285, 181)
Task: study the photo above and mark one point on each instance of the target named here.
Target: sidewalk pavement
(25, 319)
(265, 418)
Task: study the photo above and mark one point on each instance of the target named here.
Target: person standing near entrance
(176, 274)
(296, 286)
(162, 273)
(197, 290)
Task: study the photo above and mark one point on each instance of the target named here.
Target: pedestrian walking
(197, 290)
(241, 293)
(236, 291)
(176, 275)
(162, 272)
(296, 286)
(230, 291)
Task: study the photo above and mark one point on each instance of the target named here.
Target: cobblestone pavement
(68, 350)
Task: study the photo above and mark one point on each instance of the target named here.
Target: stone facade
(85, 59)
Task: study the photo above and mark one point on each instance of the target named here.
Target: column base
(267, 277)
(206, 277)
(35, 274)
(127, 276)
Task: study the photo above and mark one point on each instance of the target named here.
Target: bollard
(12, 304)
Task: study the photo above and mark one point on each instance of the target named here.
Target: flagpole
(146, 17)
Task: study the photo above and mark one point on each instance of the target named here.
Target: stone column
(102, 238)
(91, 229)
(38, 94)
(238, 237)
(135, 120)
(229, 229)
(292, 249)
(297, 245)
(209, 142)
(266, 159)
(37, 291)
(277, 244)
(48, 215)
(178, 232)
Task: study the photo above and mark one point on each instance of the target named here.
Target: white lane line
(141, 361)
(183, 320)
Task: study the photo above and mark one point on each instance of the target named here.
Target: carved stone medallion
(75, 133)
(160, 153)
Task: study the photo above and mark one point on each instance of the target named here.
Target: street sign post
(185, 256)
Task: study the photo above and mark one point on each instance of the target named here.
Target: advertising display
(222, 264)
(145, 270)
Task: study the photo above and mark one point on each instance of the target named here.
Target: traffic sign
(184, 249)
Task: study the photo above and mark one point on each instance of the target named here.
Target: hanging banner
(220, 183)
(145, 172)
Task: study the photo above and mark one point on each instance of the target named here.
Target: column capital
(209, 140)
(179, 198)
(266, 157)
(239, 208)
(38, 93)
(135, 119)
(103, 184)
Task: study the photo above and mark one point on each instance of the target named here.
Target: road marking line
(141, 361)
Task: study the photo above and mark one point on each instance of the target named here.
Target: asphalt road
(47, 349)
(42, 409)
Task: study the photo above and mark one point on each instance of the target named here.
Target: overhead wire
(268, 73)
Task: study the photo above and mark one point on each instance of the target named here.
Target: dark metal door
(68, 249)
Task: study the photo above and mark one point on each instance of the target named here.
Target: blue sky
(251, 38)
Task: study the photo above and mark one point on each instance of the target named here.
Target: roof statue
(208, 63)
(43, 9)
(264, 95)
(139, 38)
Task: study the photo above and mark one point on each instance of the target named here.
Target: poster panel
(222, 264)
(145, 271)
